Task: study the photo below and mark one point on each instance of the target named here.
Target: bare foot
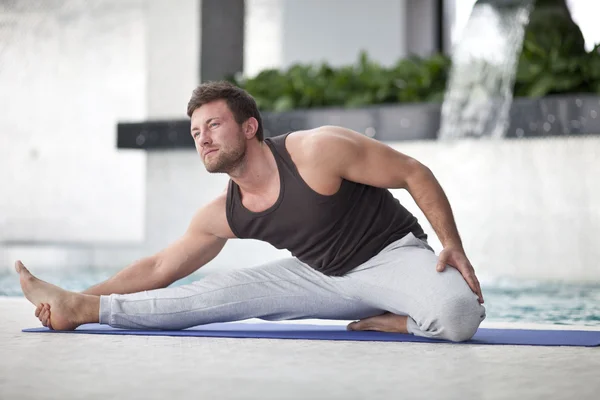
(387, 322)
(68, 308)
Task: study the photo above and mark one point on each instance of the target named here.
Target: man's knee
(460, 318)
(456, 319)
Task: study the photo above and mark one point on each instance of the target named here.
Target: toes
(20, 268)
(356, 326)
(44, 316)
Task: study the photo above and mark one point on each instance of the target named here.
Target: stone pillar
(222, 38)
(424, 27)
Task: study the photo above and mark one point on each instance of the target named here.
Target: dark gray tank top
(332, 234)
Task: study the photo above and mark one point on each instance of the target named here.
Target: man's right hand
(42, 312)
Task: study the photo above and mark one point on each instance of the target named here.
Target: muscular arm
(349, 155)
(361, 159)
(203, 240)
(431, 199)
(136, 277)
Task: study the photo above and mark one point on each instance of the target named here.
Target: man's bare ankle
(88, 308)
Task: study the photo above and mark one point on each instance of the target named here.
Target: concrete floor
(63, 366)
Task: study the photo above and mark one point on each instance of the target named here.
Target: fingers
(44, 315)
(478, 291)
(40, 308)
(442, 261)
(468, 274)
(474, 285)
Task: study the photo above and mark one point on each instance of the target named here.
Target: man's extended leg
(403, 280)
(281, 290)
(285, 289)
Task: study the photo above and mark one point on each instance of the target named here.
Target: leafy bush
(366, 82)
(553, 58)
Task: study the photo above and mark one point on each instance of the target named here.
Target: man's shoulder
(317, 152)
(217, 206)
(212, 219)
(218, 202)
(320, 143)
(309, 139)
(316, 132)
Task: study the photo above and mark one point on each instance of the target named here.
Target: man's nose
(205, 139)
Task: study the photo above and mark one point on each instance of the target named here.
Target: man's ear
(250, 127)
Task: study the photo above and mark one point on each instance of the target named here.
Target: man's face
(219, 139)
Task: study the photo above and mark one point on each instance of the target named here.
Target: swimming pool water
(505, 300)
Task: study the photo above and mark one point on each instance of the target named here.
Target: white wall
(69, 70)
(280, 33)
(525, 208)
(263, 35)
(172, 56)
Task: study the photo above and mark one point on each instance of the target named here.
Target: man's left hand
(456, 258)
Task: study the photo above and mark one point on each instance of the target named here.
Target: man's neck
(258, 171)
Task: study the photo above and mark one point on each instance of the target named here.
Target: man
(323, 195)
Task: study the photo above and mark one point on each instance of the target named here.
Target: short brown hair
(240, 102)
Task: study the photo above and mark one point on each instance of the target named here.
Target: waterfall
(484, 62)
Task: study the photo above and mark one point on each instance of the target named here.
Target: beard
(227, 158)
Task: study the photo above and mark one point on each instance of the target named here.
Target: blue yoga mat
(272, 330)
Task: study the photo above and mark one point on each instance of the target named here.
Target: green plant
(553, 58)
(366, 82)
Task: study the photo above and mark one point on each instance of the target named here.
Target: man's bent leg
(403, 280)
(280, 290)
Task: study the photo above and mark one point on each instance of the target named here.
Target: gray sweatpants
(401, 279)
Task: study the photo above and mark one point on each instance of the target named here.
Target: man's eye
(213, 124)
